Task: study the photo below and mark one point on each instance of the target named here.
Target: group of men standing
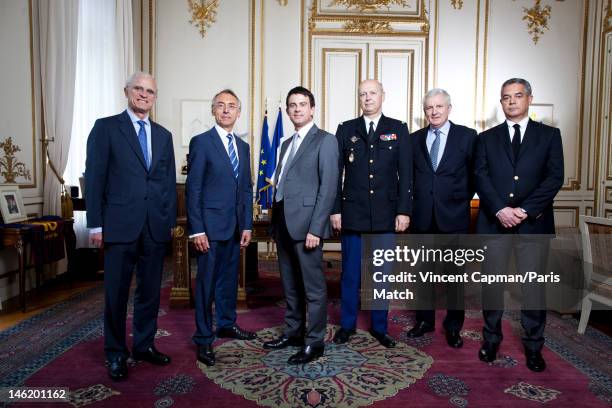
(371, 178)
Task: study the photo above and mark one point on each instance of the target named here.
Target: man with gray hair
(218, 196)
(130, 190)
(443, 186)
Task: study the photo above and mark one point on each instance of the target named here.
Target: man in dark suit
(218, 196)
(305, 180)
(130, 190)
(443, 186)
(375, 198)
(519, 170)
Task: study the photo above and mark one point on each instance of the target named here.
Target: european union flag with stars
(264, 186)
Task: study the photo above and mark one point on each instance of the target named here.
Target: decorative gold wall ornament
(367, 5)
(203, 14)
(368, 27)
(537, 20)
(10, 168)
(608, 17)
(457, 4)
(283, 2)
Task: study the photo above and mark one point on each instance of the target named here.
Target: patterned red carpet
(63, 347)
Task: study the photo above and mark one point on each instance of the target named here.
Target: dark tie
(516, 141)
(232, 154)
(371, 131)
(142, 139)
(280, 186)
(435, 146)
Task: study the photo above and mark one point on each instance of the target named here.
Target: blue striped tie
(232, 154)
(142, 139)
(435, 146)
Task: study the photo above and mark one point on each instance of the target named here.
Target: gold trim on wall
(33, 107)
(315, 16)
(574, 209)
(324, 52)
(410, 84)
(252, 72)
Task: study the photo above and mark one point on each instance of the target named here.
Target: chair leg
(584, 314)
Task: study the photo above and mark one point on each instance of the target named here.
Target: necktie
(371, 131)
(280, 187)
(142, 139)
(435, 146)
(232, 154)
(516, 141)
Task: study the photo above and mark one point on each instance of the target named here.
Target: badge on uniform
(354, 139)
(390, 136)
(351, 157)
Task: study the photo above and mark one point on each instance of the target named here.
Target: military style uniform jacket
(377, 175)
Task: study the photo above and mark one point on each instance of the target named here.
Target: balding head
(371, 97)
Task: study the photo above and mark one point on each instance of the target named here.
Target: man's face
(226, 111)
(371, 97)
(141, 94)
(515, 102)
(299, 110)
(436, 110)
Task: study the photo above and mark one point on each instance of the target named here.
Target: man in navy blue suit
(519, 171)
(130, 191)
(443, 186)
(219, 201)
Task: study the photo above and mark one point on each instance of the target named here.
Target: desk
(19, 237)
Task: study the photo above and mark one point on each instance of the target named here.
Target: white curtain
(58, 23)
(105, 59)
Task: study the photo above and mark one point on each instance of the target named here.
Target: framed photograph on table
(11, 204)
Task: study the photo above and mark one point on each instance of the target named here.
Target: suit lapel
(308, 140)
(361, 130)
(381, 128)
(422, 140)
(216, 141)
(504, 134)
(242, 158)
(127, 128)
(156, 145)
(281, 156)
(450, 147)
(529, 139)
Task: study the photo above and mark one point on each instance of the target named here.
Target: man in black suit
(519, 170)
(374, 198)
(130, 190)
(443, 186)
(305, 180)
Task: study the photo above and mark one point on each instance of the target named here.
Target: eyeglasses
(222, 106)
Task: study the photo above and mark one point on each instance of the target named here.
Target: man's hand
(312, 241)
(401, 222)
(336, 221)
(201, 243)
(245, 239)
(96, 239)
(518, 212)
(508, 217)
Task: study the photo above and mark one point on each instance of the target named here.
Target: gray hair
(225, 91)
(138, 74)
(519, 81)
(437, 91)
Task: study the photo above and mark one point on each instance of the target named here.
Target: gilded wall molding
(364, 6)
(537, 18)
(457, 4)
(10, 166)
(203, 14)
(368, 27)
(283, 3)
(608, 17)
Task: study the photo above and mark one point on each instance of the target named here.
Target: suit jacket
(120, 193)
(448, 190)
(530, 182)
(217, 202)
(377, 175)
(310, 184)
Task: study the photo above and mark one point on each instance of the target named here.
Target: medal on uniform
(354, 139)
(351, 157)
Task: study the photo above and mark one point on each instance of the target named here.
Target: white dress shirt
(301, 135)
(523, 124)
(367, 121)
(223, 135)
(443, 137)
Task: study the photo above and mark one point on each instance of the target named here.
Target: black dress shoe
(383, 338)
(117, 369)
(205, 355)
(235, 332)
(488, 352)
(535, 361)
(152, 356)
(419, 329)
(453, 338)
(343, 335)
(282, 342)
(306, 354)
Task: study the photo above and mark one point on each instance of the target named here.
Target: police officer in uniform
(375, 198)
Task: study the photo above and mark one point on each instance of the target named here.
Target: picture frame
(196, 118)
(11, 204)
